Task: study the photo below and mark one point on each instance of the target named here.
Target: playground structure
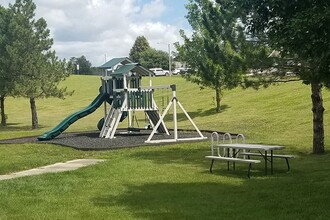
(123, 91)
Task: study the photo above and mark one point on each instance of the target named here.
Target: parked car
(160, 72)
(176, 71)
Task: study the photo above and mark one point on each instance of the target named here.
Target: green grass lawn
(173, 181)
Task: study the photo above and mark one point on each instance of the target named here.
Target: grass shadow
(15, 127)
(169, 201)
(218, 199)
(18, 127)
(199, 113)
(196, 157)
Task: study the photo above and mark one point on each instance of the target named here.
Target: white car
(159, 72)
(176, 71)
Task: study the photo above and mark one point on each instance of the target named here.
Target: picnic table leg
(287, 163)
(265, 162)
(271, 162)
(233, 156)
(228, 161)
(212, 161)
(249, 169)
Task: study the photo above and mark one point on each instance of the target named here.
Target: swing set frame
(174, 102)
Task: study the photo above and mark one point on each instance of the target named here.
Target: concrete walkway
(55, 168)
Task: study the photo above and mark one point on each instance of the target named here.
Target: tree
(80, 65)
(212, 53)
(300, 30)
(151, 58)
(2, 71)
(36, 66)
(140, 45)
(84, 65)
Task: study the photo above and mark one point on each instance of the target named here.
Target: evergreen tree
(6, 78)
(38, 69)
(140, 45)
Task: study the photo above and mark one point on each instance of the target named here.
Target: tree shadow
(18, 127)
(199, 113)
(221, 199)
(196, 157)
(170, 200)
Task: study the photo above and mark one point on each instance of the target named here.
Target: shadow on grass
(196, 157)
(174, 155)
(299, 194)
(172, 201)
(248, 199)
(18, 127)
(199, 113)
(15, 127)
(191, 192)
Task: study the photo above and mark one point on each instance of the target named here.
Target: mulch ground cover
(92, 141)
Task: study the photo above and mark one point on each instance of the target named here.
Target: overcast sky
(108, 28)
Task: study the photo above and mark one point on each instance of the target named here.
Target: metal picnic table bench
(237, 152)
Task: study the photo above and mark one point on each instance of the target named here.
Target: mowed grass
(171, 181)
(280, 114)
(168, 182)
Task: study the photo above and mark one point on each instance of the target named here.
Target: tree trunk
(217, 95)
(2, 110)
(34, 113)
(318, 126)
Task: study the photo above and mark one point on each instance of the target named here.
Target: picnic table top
(252, 146)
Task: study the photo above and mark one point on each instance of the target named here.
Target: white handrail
(230, 142)
(215, 136)
(238, 137)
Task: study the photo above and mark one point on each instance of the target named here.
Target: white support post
(125, 81)
(174, 101)
(191, 121)
(114, 84)
(105, 84)
(175, 119)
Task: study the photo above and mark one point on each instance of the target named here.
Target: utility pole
(169, 60)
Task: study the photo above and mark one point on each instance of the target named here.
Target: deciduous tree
(297, 29)
(80, 65)
(154, 58)
(212, 52)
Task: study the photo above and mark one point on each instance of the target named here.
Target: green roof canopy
(134, 67)
(113, 62)
(127, 66)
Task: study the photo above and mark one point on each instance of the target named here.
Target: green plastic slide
(74, 117)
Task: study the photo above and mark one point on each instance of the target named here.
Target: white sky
(108, 28)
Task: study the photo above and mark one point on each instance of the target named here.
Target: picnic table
(245, 150)
(241, 152)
